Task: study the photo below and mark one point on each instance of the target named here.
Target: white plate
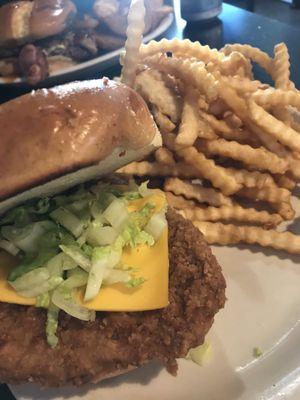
(263, 310)
(99, 63)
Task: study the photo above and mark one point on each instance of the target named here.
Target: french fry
(277, 97)
(178, 202)
(191, 72)
(268, 141)
(150, 84)
(275, 128)
(145, 168)
(224, 130)
(243, 136)
(216, 107)
(164, 123)
(224, 113)
(237, 103)
(243, 85)
(283, 114)
(164, 156)
(218, 125)
(232, 213)
(252, 179)
(189, 126)
(169, 141)
(285, 182)
(183, 48)
(235, 64)
(269, 194)
(284, 209)
(205, 131)
(135, 29)
(253, 53)
(218, 176)
(232, 120)
(294, 166)
(218, 233)
(295, 121)
(281, 67)
(197, 192)
(202, 104)
(259, 158)
(296, 155)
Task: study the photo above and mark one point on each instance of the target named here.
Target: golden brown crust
(49, 133)
(118, 341)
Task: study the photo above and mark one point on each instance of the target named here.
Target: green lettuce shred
(52, 325)
(75, 240)
(135, 282)
(43, 300)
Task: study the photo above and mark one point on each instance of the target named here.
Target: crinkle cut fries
(231, 144)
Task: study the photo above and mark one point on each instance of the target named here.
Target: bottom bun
(117, 342)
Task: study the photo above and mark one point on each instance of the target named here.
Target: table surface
(233, 25)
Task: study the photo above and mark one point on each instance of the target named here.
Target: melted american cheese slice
(152, 263)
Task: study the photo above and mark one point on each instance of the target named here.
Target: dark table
(233, 25)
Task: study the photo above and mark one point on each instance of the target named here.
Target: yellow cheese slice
(152, 263)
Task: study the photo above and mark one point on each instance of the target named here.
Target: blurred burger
(39, 37)
(96, 278)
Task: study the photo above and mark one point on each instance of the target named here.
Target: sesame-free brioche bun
(53, 139)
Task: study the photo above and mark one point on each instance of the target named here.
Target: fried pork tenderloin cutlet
(119, 341)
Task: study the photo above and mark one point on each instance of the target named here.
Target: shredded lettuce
(9, 247)
(52, 325)
(98, 235)
(19, 216)
(43, 206)
(156, 225)
(63, 299)
(31, 279)
(144, 191)
(26, 238)
(76, 278)
(199, 354)
(68, 220)
(68, 263)
(135, 282)
(76, 240)
(43, 300)
(115, 276)
(34, 291)
(257, 352)
(55, 265)
(87, 249)
(132, 233)
(102, 259)
(77, 256)
(132, 196)
(30, 262)
(116, 214)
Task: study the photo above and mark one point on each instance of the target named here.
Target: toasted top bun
(52, 139)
